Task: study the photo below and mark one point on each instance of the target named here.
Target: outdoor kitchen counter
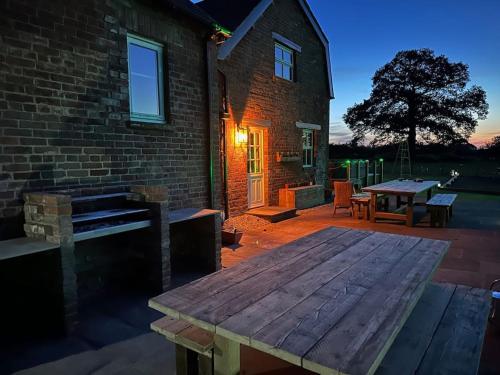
(330, 302)
(185, 214)
(24, 246)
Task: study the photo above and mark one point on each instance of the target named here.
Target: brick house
(70, 117)
(276, 85)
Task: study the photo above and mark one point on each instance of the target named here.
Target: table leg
(409, 212)
(366, 210)
(186, 361)
(226, 356)
(429, 194)
(373, 207)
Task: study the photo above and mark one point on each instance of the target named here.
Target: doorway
(255, 167)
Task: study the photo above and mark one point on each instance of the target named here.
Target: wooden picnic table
(329, 302)
(399, 188)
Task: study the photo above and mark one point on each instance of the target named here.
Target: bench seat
(443, 335)
(185, 334)
(441, 208)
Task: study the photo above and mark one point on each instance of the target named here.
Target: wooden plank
(254, 318)
(196, 339)
(22, 246)
(442, 200)
(171, 301)
(186, 214)
(404, 187)
(390, 215)
(360, 340)
(185, 334)
(456, 345)
(106, 214)
(209, 312)
(300, 328)
(169, 327)
(412, 342)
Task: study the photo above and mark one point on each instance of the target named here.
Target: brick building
(71, 119)
(275, 80)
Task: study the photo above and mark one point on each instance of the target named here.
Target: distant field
(441, 170)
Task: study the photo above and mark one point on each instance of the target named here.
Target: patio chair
(343, 191)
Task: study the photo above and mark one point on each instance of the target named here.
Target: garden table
(329, 302)
(399, 188)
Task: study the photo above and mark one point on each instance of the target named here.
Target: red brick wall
(254, 93)
(64, 111)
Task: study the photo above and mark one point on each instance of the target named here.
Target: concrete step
(273, 214)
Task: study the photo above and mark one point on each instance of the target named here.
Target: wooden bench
(441, 208)
(443, 335)
(193, 345)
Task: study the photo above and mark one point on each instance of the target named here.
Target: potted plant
(231, 236)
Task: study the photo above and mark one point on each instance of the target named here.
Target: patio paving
(114, 337)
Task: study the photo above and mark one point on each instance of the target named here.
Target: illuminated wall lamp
(241, 135)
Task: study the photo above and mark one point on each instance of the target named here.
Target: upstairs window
(145, 67)
(283, 62)
(307, 147)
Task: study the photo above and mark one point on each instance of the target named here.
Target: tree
(494, 146)
(419, 97)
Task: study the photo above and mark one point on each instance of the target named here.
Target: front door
(255, 168)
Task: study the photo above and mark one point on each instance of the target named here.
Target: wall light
(241, 135)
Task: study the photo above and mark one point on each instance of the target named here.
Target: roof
(228, 13)
(240, 17)
(191, 10)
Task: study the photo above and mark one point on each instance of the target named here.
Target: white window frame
(283, 62)
(307, 149)
(158, 48)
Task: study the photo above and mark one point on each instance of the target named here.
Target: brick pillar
(48, 217)
(157, 245)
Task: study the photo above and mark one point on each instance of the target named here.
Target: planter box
(231, 237)
(302, 197)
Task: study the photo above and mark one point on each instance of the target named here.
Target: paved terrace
(114, 337)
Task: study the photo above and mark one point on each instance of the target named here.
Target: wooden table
(328, 302)
(405, 188)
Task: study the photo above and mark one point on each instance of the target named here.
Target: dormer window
(283, 62)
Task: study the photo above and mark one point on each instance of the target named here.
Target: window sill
(158, 126)
(281, 79)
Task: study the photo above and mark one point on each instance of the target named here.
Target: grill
(107, 214)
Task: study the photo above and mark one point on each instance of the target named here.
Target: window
(307, 147)
(145, 66)
(283, 62)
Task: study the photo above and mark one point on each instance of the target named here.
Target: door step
(273, 214)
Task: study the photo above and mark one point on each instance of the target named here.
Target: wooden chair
(343, 191)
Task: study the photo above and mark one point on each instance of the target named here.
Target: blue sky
(365, 34)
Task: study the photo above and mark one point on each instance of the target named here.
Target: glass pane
(144, 80)
(287, 57)
(278, 69)
(287, 72)
(278, 53)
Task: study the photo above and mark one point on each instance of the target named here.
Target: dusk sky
(366, 34)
